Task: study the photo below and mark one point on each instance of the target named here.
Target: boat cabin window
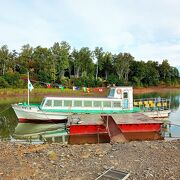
(48, 103)
(97, 103)
(125, 95)
(87, 103)
(116, 104)
(77, 103)
(67, 102)
(106, 103)
(111, 93)
(57, 103)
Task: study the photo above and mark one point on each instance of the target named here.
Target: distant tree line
(63, 65)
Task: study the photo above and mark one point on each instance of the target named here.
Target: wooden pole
(28, 88)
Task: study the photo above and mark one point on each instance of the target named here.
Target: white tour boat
(58, 109)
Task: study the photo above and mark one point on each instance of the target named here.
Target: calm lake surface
(10, 129)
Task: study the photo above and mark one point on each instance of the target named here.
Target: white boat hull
(30, 114)
(157, 114)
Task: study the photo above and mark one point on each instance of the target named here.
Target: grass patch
(8, 95)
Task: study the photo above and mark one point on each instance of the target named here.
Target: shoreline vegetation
(10, 92)
(62, 65)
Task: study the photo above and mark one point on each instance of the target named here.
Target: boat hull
(35, 115)
(157, 114)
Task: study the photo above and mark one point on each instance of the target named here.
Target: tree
(107, 64)
(25, 62)
(164, 70)
(152, 74)
(60, 56)
(14, 58)
(42, 63)
(137, 72)
(76, 62)
(85, 56)
(4, 59)
(83, 63)
(98, 54)
(122, 65)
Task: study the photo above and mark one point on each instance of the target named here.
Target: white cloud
(158, 52)
(147, 29)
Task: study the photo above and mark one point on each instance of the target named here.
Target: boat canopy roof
(118, 97)
(114, 93)
(121, 92)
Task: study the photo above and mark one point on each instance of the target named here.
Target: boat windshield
(42, 103)
(111, 93)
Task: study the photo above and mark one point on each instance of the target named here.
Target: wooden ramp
(113, 130)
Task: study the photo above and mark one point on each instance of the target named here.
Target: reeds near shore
(20, 95)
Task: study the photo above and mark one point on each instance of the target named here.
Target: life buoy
(119, 91)
(88, 90)
(100, 90)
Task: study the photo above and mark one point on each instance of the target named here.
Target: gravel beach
(143, 160)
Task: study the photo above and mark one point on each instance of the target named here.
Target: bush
(37, 85)
(112, 79)
(3, 83)
(43, 76)
(64, 81)
(84, 81)
(13, 79)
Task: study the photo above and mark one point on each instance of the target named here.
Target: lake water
(9, 126)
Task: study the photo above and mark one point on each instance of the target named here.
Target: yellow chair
(145, 102)
(150, 102)
(152, 105)
(140, 103)
(159, 104)
(136, 104)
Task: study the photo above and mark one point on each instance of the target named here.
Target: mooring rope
(5, 109)
(174, 124)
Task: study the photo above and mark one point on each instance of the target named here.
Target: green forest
(62, 64)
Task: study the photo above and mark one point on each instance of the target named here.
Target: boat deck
(129, 118)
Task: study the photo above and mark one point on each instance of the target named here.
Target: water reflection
(174, 129)
(42, 132)
(8, 122)
(10, 129)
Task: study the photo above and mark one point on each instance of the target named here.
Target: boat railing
(159, 103)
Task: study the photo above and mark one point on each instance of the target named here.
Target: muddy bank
(155, 89)
(144, 160)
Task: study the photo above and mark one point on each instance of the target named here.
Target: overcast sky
(148, 29)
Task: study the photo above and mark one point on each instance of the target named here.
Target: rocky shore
(143, 160)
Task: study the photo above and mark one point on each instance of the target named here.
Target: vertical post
(28, 88)
(170, 135)
(98, 135)
(96, 69)
(63, 139)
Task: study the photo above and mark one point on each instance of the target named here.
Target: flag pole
(28, 88)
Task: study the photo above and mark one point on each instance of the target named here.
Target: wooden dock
(88, 128)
